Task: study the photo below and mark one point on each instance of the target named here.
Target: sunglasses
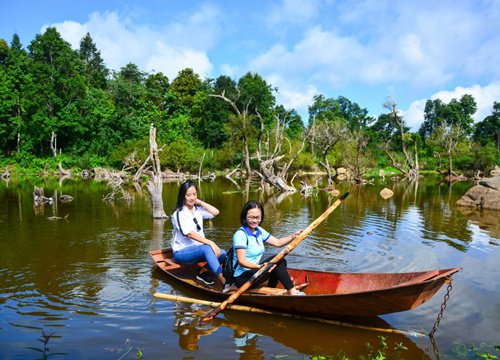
(198, 227)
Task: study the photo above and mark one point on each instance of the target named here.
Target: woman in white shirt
(189, 243)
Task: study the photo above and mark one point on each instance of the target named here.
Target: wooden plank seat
(169, 263)
(264, 290)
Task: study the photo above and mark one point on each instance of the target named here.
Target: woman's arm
(210, 208)
(284, 240)
(241, 254)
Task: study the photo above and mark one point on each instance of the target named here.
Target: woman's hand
(210, 208)
(297, 233)
(215, 248)
(265, 264)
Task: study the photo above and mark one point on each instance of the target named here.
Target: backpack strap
(234, 250)
(179, 223)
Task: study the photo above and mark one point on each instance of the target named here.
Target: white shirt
(184, 222)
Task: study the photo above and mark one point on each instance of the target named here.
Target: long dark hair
(182, 193)
(252, 204)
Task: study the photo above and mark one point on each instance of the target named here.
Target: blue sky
(411, 50)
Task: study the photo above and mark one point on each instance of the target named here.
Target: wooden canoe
(329, 295)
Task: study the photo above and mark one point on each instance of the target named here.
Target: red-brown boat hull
(329, 295)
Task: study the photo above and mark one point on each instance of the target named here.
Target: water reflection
(487, 220)
(90, 278)
(305, 337)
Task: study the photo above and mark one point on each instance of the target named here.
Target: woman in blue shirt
(189, 243)
(248, 242)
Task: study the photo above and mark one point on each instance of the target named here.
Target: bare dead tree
(448, 137)
(63, 171)
(53, 143)
(142, 168)
(270, 165)
(241, 123)
(357, 159)
(155, 184)
(284, 170)
(410, 164)
(325, 135)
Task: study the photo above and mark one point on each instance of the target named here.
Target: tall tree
(183, 91)
(488, 130)
(456, 112)
(258, 96)
(355, 117)
(294, 126)
(95, 70)
(157, 87)
(327, 129)
(130, 119)
(56, 94)
(214, 114)
(18, 79)
(451, 139)
(408, 165)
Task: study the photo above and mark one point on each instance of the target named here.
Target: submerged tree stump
(39, 198)
(155, 184)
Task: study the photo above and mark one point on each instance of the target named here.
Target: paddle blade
(211, 314)
(344, 195)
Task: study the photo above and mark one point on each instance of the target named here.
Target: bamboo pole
(277, 313)
(292, 245)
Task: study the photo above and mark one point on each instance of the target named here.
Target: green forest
(63, 105)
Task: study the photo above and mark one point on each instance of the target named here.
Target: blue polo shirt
(243, 238)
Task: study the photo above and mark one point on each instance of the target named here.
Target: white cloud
(121, 41)
(71, 31)
(484, 96)
(407, 45)
(292, 12)
(230, 70)
(293, 96)
(200, 30)
(320, 56)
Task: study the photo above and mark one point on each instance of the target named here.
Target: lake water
(87, 278)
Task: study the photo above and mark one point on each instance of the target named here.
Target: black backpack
(229, 266)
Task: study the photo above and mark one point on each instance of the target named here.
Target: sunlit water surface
(86, 277)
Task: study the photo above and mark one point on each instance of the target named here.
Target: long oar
(276, 313)
(274, 260)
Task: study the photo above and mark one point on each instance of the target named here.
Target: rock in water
(386, 193)
(485, 195)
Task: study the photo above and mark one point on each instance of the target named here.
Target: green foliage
(176, 128)
(227, 157)
(55, 95)
(455, 113)
(482, 351)
(292, 121)
(95, 70)
(131, 153)
(304, 162)
(183, 91)
(181, 155)
(213, 114)
(258, 96)
(381, 352)
(55, 99)
(479, 157)
(488, 130)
